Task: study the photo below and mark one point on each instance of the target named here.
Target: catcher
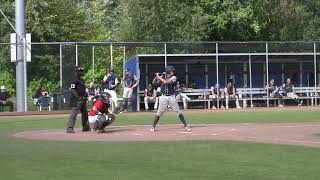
(100, 116)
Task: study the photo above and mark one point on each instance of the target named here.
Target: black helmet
(79, 71)
(170, 68)
(79, 68)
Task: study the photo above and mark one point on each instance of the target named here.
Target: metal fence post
(60, 67)
(124, 61)
(111, 55)
(165, 55)
(250, 78)
(217, 73)
(93, 63)
(267, 70)
(77, 61)
(315, 73)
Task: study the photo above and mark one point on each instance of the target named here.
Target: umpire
(168, 89)
(78, 102)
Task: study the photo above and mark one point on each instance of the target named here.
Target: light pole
(21, 90)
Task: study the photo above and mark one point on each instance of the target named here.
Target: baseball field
(268, 144)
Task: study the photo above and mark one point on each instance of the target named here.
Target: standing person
(288, 88)
(150, 96)
(92, 91)
(130, 82)
(168, 85)
(273, 92)
(110, 83)
(78, 102)
(181, 96)
(216, 95)
(99, 116)
(230, 92)
(5, 98)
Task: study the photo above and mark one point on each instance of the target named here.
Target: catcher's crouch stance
(99, 116)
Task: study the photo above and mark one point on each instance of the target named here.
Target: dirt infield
(31, 115)
(305, 134)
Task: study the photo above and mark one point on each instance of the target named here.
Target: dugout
(251, 70)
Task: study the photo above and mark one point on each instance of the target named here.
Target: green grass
(31, 159)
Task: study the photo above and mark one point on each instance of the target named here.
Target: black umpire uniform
(78, 102)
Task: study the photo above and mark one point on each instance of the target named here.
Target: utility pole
(20, 60)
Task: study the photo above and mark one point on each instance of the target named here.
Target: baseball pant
(185, 99)
(100, 124)
(127, 92)
(236, 98)
(148, 99)
(294, 96)
(277, 95)
(113, 95)
(164, 101)
(82, 107)
(215, 98)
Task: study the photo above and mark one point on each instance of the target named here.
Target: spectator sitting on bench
(273, 92)
(217, 95)
(5, 98)
(150, 96)
(181, 96)
(230, 92)
(92, 91)
(41, 92)
(288, 88)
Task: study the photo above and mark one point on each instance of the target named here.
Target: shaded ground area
(306, 134)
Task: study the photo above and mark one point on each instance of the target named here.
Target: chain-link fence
(199, 65)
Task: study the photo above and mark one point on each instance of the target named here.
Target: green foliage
(8, 80)
(147, 20)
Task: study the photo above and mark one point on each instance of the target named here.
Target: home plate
(185, 132)
(136, 134)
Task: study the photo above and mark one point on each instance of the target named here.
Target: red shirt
(99, 104)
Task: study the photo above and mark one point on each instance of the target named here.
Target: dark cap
(170, 68)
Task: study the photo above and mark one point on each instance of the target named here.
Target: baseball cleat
(222, 107)
(85, 129)
(69, 130)
(188, 129)
(238, 107)
(152, 129)
(213, 107)
(100, 131)
(227, 107)
(280, 105)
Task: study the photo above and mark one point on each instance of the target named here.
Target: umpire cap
(170, 68)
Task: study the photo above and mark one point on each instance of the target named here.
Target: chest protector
(80, 87)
